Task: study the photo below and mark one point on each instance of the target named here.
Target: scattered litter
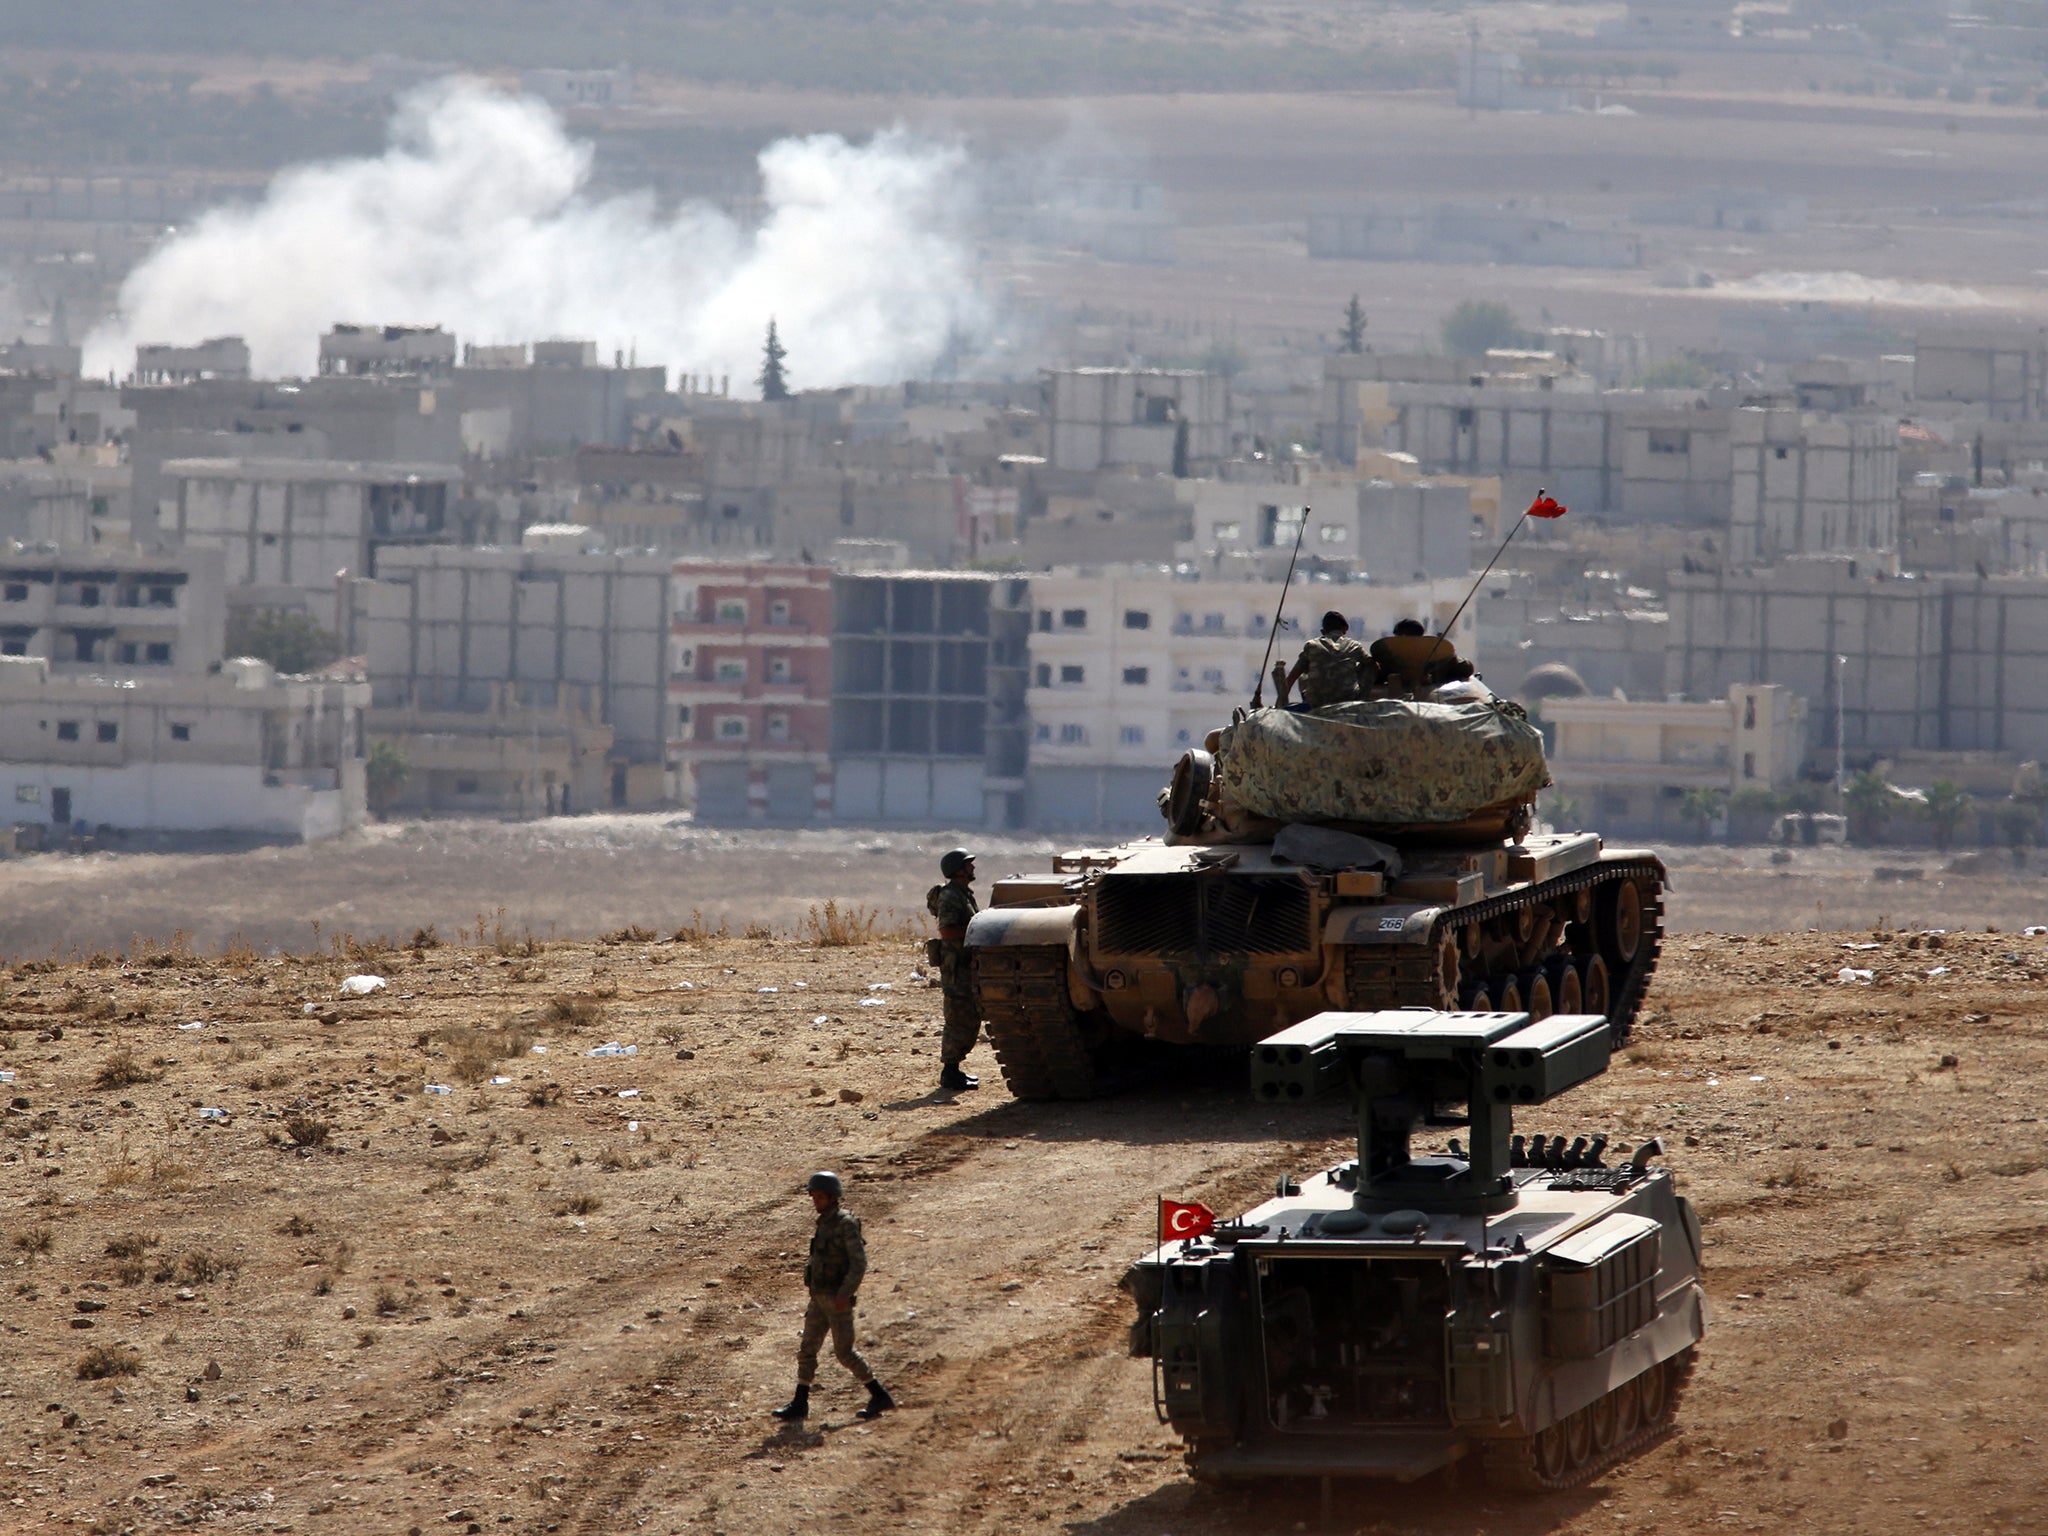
(874, 1002)
(632, 1125)
(496, 1081)
(686, 986)
(310, 1009)
(613, 1048)
(1939, 970)
(1863, 946)
(767, 989)
(438, 1088)
(881, 986)
(361, 986)
(629, 1093)
(1713, 1082)
(2034, 932)
(802, 986)
(1849, 975)
(208, 1112)
(195, 1024)
(540, 1050)
(7, 1076)
(1756, 1077)
(822, 1018)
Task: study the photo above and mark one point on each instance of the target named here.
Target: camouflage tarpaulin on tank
(1382, 760)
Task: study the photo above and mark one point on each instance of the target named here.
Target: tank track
(1513, 1463)
(1039, 1036)
(1406, 975)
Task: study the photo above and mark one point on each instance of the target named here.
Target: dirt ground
(561, 1296)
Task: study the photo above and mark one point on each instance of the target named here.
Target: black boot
(879, 1401)
(953, 1080)
(798, 1408)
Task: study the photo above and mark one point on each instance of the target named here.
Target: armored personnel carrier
(1371, 855)
(1518, 1299)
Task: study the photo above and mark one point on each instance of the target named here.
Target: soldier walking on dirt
(1333, 668)
(953, 904)
(832, 1274)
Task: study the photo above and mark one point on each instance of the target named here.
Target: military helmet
(825, 1182)
(951, 863)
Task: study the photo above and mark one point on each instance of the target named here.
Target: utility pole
(1841, 687)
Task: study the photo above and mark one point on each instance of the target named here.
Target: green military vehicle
(1372, 855)
(1514, 1299)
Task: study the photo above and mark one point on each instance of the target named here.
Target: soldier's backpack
(934, 949)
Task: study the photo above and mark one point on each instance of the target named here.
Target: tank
(1375, 855)
(1518, 1300)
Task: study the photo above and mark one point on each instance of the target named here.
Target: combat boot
(798, 1408)
(879, 1402)
(953, 1080)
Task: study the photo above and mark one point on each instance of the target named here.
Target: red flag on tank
(1546, 505)
(1184, 1220)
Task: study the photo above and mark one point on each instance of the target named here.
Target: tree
(1702, 808)
(774, 380)
(384, 775)
(1687, 370)
(1481, 325)
(286, 638)
(1869, 800)
(2019, 823)
(1354, 326)
(1948, 806)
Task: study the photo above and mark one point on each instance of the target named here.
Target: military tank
(1515, 1299)
(1374, 854)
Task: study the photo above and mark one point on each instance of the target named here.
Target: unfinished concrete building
(1804, 483)
(2000, 370)
(507, 759)
(449, 629)
(1137, 418)
(113, 611)
(928, 714)
(405, 351)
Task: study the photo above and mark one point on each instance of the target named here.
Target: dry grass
(1791, 1175)
(389, 1303)
(571, 1012)
(122, 1070)
(832, 926)
(202, 1265)
(474, 1053)
(35, 1240)
(104, 1360)
(131, 1245)
(306, 1131)
(632, 933)
(698, 929)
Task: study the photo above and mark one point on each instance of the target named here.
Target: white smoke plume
(477, 218)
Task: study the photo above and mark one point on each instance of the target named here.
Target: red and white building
(750, 690)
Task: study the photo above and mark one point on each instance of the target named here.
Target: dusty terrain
(539, 1304)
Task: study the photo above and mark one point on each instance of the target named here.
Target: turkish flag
(1179, 1220)
(1546, 505)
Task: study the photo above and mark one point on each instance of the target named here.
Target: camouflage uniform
(838, 1261)
(954, 906)
(1334, 669)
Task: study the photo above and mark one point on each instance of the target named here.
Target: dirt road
(565, 1301)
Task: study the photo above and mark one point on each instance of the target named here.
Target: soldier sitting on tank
(1333, 669)
(1413, 663)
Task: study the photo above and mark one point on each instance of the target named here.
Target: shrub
(103, 1360)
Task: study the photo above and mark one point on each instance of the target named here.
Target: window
(778, 669)
(106, 730)
(1137, 618)
(1749, 712)
(1159, 410)
(1749, 765)
(162, 597)
(466, 786)
(1042, 733)
(13, 647)
(778, 727)
(184, 732)
(1073, 675)
(1137, 677)
(778, 611)
(67, 730)
(1073, 735)
(1670, 440)
(1281, 525)
(1225, 532)
(88, 596)
(1131, 735)
(1465, 419)
(1182, 738)
(732, 728)
(1043, 676)
(1333, 533)
(1781, 452)
(1212, 622)
(157, 652)
(1073, 618)
(1044, 620)
(731, 610)
(732, 669)
(1212, 677)
(17, 592)
(682, 717)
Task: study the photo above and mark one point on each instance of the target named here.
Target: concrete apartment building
(505, 759)
(289, 527)
(1399, 531)
(237, 750)
(928, 711)
(1804, 483)
(2002, 371)
(1630, 762)
(449, 629)
(750, 691)
(110, 610)
(1129, 668)
(1132, 418)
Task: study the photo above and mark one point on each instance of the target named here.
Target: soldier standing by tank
(953, 904)
(1333, 668)
(832, 1274)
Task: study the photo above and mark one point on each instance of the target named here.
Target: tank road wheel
(1447, 970)
(1595, 995)
(1628, 1409)
(1566, 992)
(1653, 1394)
(1472, 997)
(1578, 1438)
(1621, 923)
(1552, 1453)
(1536, 995)
(1507, 994)
(1603, 1420)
